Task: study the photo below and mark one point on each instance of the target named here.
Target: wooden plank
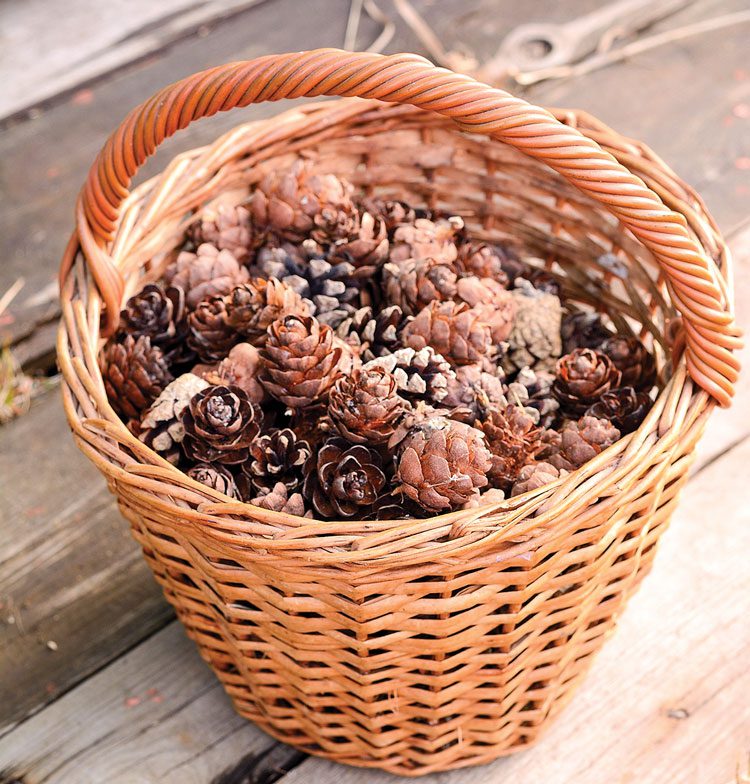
(155, 715)
(71, 577)
(666, 700)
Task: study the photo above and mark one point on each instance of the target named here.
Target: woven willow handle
(710, 331)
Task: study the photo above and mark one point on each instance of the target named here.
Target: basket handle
(711, 334)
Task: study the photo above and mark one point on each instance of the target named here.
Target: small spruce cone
(161, 426)
(297, 203)
(278, 499)
(372, 335)
(275, 456)
(497, 305)
(367, 248)
(442, 463)
(624, 408)
(473, 391)
(156, 313)
(215, 476)
(220, 424)
(420, 375)
(577, 442)
(535, 475)
(583, 330)
(480, 260)
(209, 272)
(534, 339)
(633, 360)
(342, 480)
(582, 377)
(240, 368)
(453, 329)
(209, 334)
(365, 406)
(513, 441)
(427, 239)
(226, 228)
(301, 360)
(134, 374)
(253, 306)
(415, 283)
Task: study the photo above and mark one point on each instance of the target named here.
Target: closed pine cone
(343, 480)
(496, 304)
(394, 213)
(535, 475)
(582, 377)
(420, 375)
(240, 368)
(473, 391)
(453, 329)
(534, 339)
(209, 272)
(577, 442)
(301, 360)
(275, 456)
(209, 334)
(226, 227)
(513, 440)
(415, 283)
(480, 260)
(253, 306)
(365, 406)
(215, 476)
(624, 408)
(220, 424)
(633, 360)
(134, 374)
(279, 499)
(427, 239)
(442, 463)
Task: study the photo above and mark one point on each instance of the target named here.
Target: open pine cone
(583, 376)
(226, 227)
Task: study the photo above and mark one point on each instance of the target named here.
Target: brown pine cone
(420, 375)
(513, 441)
(582, 377)
(209, 334)
(278, 499)
(161, 427)
(534, 339)
(633, 360)
(134, 374)
(240, 368)
(367, 248)
(624, 408)
(372, 335)
(415, 283)
(275, 456)
(441, 464)
(215, 476)
(311, 424)
(220, 424)
(453, 329)
(480, 260)
(226, 227)
(394, 213)
(156, 313)
(297, 203)
(473, 391)
(209, 272)
(577, 442)
(390, 506)
(583, 330)
(253, 306)
(535, 475)
(301, 360)
(427, 239)
(496, 304)
(342, 480)
(538, 394)
(365, 406)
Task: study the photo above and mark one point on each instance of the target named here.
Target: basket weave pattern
(423, 645)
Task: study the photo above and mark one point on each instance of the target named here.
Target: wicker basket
(412, 646)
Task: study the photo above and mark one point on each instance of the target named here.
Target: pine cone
(394, 507)
(209, 334)
(633, 360)
(454, 330)
(545, 281)
(420, 375)
(278, 499)
(134, 374)
(442, 463)
(220, 424)
(535, 475)
(371, 335)
(342, 480)
(297, 203)
(539, 394)
(161, 427)
(394, 213)
(311, 424)
(534, 339)
(215, 476)
(415, 283)
(367, 248)
(209, 272)
(301, 360)
(583, 330)
(496, 304)
(275, 456)
(253, 306)
(240, 368)
(624, 408)
(427, 239)
(226, 227)
(365, 407)
(473, 391)
(582, 377)
(156, 313)
(577, 442)
(480, 260)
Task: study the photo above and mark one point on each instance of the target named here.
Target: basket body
(412, 646)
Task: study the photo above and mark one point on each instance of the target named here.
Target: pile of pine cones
(337, 358)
